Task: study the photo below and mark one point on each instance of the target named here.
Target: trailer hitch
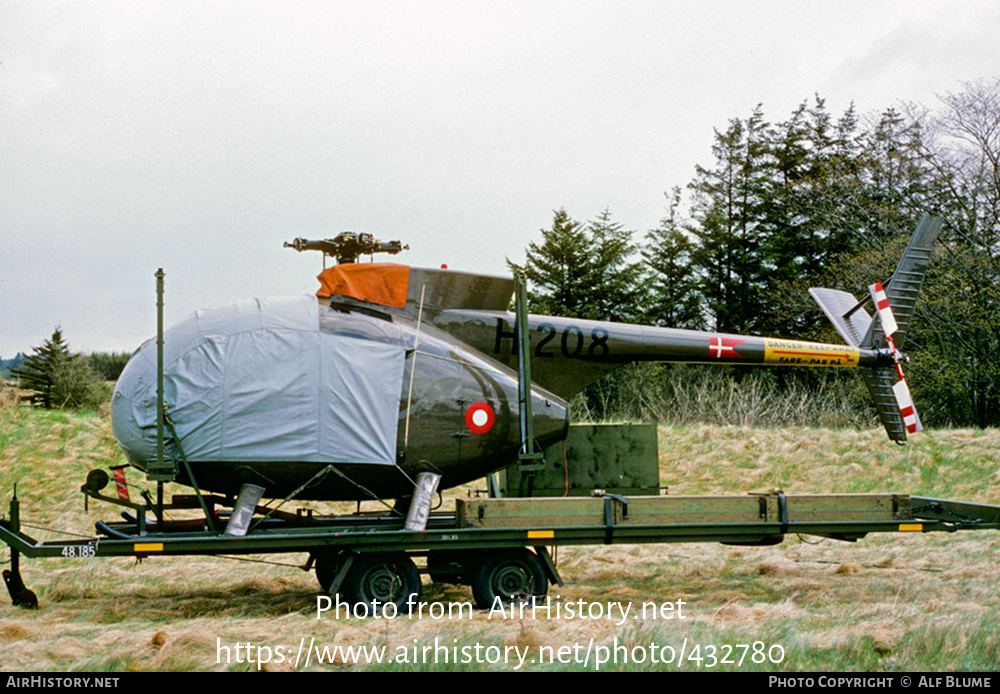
(20, 595)
(958, 515)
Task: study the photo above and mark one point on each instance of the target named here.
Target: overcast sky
(199, 136)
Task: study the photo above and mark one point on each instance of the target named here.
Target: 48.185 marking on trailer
(80, 551)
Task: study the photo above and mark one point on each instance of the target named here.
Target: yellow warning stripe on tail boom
(796, 353)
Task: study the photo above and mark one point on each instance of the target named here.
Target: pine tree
(674, 301)
(560, 269)
(57, 378)
(728, 211)
(39, 371)
(584, 271)
(810, 213)
(896, 176)
(617, 293)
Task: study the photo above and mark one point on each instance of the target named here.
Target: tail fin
(886, 384)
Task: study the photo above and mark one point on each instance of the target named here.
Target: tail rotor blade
(906, 408)
(889, 325)
(900, 391)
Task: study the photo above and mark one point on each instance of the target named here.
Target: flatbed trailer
(499, 546)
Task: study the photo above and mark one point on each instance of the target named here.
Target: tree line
(814, 199)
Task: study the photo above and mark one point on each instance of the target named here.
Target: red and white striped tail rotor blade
(885, 316)
(906, 408)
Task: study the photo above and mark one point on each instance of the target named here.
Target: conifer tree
(57, 378)
(584, 271)
(560, 269)
(673, 297)
(617, 293)
(39, 371)
(728, 206)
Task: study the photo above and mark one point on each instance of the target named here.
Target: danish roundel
(479, 417)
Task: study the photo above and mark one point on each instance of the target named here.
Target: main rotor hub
(347, 246)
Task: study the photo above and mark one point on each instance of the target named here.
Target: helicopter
(391, 371)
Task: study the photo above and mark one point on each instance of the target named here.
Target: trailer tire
(327, 566)
(376, 580)
(516, 575)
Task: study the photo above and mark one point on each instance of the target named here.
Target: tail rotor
(895, 303)
(900, 391)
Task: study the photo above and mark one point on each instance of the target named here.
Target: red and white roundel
(479, 417)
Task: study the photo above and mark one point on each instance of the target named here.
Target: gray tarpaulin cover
(259, 381)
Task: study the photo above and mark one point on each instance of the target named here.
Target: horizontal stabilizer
(837, 305)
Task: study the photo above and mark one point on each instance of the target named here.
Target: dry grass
(11, 396)
(889, 602)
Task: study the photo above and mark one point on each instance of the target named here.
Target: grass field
(888, 602)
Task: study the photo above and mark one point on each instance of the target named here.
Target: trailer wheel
(518, 575)
(377, 580)
(327, 567)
